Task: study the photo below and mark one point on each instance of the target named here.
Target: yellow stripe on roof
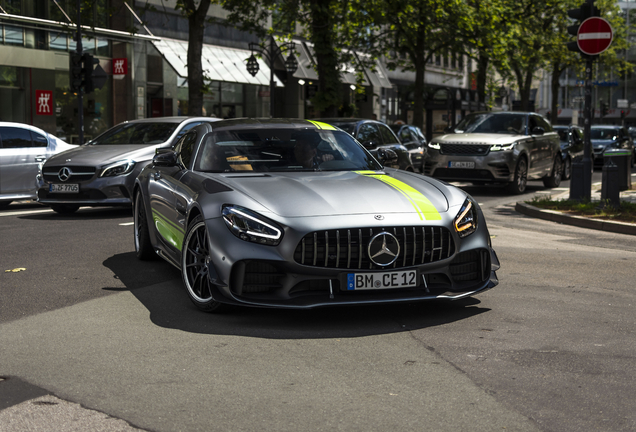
(321, 125)
(423, 206)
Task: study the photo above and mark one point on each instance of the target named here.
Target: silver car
(498, 147)
(23, 149)
(296, 214)
(102, 172)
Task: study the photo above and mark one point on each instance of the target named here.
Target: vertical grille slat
(326, 249)
(337, 248)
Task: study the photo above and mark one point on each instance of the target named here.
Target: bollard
(623, 160)
(577, 185)
(610, 189)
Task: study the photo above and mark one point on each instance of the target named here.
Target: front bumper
(493, 167)
(254, 275)
(99, 191)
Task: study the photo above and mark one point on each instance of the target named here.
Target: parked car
(23, 149)
(609, 137)
(249, 220)
(375, 135)
(414, 140)
(498, 147)
(102, 172)
(572, 146)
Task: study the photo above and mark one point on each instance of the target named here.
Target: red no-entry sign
(595, 36)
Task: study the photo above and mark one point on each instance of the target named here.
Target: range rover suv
(498, 147)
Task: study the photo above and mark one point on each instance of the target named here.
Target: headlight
(118, 168)
(434, 146)
(505, 147)
(466, 220)
(251, 227)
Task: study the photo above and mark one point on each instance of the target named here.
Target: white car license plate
(384, 280)
(460, 164)
(64, 188)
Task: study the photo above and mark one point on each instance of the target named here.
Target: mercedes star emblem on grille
(384, 249)
(64, 174)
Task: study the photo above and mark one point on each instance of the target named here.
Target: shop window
(103, 48)
(58, 41)
(155, 69)
(13, 35)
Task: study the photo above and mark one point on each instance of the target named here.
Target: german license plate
(64, 188)
(384, 280)
(460, 164)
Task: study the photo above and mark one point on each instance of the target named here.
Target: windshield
(604, 134)
(562, 132)
(136, 133)
(493, 123)
(278, 150)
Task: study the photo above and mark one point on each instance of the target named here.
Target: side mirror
(538, 130)
(167, 158)
(387, 156)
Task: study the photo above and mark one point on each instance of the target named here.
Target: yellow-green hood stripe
(321, 125)
(173, 233)
(423, 206)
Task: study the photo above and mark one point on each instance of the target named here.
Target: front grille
(465, 149)
(79, 173)
(463, 174)
(348, 248)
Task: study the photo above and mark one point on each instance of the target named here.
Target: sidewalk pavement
(584, 221)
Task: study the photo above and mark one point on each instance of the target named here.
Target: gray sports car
(297, 214)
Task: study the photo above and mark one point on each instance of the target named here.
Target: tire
(518, 185)
(554, 179)
(567, 169)
(65, 208)
(194, 271)
(143, 246)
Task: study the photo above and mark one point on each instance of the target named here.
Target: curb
(579, 221)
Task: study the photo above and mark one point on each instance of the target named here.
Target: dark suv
(374, 135)
(498, 147)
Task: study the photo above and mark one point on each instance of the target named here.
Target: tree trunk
(420, 72)
(554, 88)
(196, 27)
(482, 75)
(328, 97)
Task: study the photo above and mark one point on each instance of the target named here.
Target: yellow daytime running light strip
(321, 125)
(461, 216)
(423, 206)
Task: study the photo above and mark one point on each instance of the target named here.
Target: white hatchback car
(23, 150)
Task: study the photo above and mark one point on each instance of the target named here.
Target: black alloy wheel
(518, 185)
(567, 168)
(143, 246)
(195, 259)
(554, 179)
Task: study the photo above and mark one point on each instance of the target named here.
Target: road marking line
(26, 212)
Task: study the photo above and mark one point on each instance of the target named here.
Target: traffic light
(75, 69)
(587, 10)
(88, 63)
(604, 109)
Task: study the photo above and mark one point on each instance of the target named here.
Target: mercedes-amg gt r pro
(297, 214)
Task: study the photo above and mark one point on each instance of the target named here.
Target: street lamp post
(270, 52)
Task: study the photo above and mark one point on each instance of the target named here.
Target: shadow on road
(84, 214)
(157, 285)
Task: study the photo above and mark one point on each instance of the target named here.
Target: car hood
(599, 143)
(477, 138)
(103, 154)
(343, 193)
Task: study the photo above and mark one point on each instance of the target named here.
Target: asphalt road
(91, 336)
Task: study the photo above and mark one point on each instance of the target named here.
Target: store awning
(377, 76)
(219, 63)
